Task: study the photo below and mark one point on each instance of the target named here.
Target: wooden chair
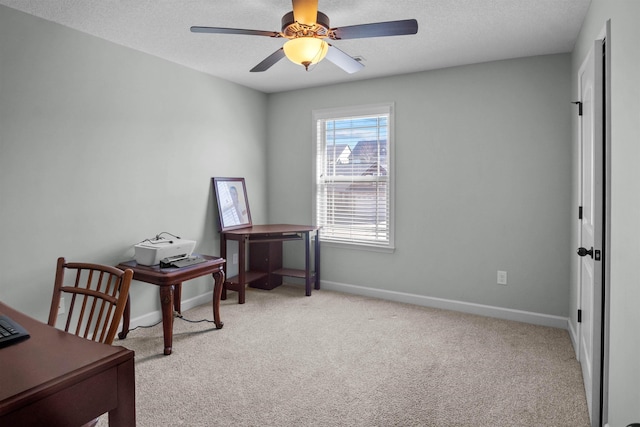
(97, 298)
(97, 295)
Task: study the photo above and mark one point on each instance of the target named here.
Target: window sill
(357, 246)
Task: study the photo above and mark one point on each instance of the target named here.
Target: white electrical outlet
(235, 258)
(502, 277)
(61, 306)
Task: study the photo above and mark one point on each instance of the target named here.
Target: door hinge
(579, 212)
(579, 107)
(579, 316)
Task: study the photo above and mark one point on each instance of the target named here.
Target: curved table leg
(218, 278)
(177, 297)
(166, 302)
(125, 319)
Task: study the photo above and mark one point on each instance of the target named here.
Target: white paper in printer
(151, 251)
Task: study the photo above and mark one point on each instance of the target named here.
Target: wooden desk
(265, 263)
(169, 281)
(56, 379)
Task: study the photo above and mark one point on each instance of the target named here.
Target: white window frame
(318, 161)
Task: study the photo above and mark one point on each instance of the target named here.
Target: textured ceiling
(450, 33)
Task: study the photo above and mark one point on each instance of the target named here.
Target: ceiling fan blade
(378, 29)
(220, 30)
(269, 61)
(305, 11)
(342, 60)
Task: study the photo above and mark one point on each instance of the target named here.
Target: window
(353, 175)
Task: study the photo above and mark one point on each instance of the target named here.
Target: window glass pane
(352, 179)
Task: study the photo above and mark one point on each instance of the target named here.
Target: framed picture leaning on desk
(233, 205)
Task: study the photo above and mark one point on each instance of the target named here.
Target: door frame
(605, 35)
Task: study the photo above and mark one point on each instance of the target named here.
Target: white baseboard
(424, 301)
(465, 307)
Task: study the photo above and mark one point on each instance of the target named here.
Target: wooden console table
(57, 379)
(265, 257)
(169, 281)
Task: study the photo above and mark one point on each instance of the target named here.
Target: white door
(591, 225)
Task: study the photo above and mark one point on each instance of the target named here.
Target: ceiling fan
(306, 28)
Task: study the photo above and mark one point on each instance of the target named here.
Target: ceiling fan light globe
(305, 51)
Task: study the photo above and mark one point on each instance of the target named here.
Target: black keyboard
(180, 261)
(188, 261)
(10, 331)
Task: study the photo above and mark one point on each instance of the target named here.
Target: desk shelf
(249, 276)
(263, 239)
(292, 272)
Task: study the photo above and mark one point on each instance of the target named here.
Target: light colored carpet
(333, 359)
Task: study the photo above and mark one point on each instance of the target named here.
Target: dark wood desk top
(172, 276)
(49, 361)
(272, 229)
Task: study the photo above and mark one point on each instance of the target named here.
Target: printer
(151, 251)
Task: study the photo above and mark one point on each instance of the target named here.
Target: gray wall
(483, 174)
(103, 146)
(624, 364)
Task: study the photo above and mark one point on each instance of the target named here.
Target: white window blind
(353, 175)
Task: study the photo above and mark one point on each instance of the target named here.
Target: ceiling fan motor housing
(292, 29)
